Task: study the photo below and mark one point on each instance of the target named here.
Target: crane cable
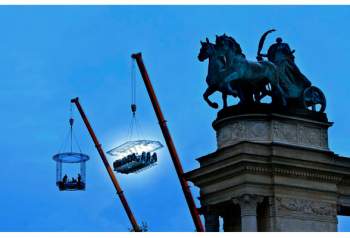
(134, 125)
(133, 88)
(71, 122)
(70, 135)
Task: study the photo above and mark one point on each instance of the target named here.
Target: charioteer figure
(291, 79)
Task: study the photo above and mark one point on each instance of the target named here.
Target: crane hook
(71, 122)
(133, 109)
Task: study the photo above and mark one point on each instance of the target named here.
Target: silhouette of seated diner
(72, 184)
(134, 162)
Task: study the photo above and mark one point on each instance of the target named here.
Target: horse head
(227, 43)
(206, 51)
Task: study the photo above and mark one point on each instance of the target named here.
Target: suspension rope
(64, 142)
(133, 99)
(71, 122)
(133, 87)
(130, 130)
(70, 138)
(134, 128)
(138, 128)
(76, 142)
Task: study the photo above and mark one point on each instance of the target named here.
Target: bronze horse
(230, 73)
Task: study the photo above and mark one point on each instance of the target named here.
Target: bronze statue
(292, 80)
(232, 74)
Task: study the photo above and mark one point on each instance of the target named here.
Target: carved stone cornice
(293, 172)
(212, 174)
(307, 174)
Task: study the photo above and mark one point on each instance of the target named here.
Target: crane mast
(108, 167)
(170, 144)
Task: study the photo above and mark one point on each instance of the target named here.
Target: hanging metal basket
(70, 164)
(63, 181)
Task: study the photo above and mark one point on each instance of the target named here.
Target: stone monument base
(272, 171)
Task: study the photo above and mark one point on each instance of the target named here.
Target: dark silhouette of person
(79, 178)
(292, 80)
(65, 177)
(148, 157)
(154, 157)
(279, 51)
(143, 156)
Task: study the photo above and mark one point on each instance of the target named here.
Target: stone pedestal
(272, 171)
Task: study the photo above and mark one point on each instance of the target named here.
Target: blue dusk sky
(49, 54)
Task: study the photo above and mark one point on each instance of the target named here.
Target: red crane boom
(169, 141)
(108, 167)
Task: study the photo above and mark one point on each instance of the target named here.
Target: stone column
(212, 223)
(248, 204)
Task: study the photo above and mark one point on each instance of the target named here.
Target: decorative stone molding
(305, 207)
(242, 130)
(308, 174)
(293, 173)
(311, 136)
(287, 130)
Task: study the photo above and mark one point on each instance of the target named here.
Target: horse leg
(224, 99)
(249, 96)
(206, 95)
(245, 95)
(236, 90)
(242, 97)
